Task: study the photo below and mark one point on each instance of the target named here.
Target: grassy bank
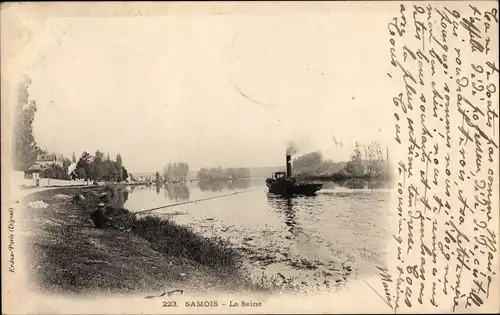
(70, 255)
(166, 236)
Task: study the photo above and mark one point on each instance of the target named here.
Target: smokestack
(288, 165)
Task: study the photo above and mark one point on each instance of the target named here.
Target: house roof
(46, 157)
(34, 168)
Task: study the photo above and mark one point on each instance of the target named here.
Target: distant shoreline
(341, 177)
(336, 178)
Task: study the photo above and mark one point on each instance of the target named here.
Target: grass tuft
(172, 239)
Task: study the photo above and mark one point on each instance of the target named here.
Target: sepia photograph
(253, 157)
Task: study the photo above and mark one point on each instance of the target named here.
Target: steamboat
(284, 184)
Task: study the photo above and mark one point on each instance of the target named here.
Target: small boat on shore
(284, 184)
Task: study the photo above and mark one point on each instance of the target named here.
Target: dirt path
(26, 192)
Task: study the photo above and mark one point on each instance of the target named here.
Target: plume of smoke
(291, 148)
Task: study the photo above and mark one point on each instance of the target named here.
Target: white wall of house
(48, 163)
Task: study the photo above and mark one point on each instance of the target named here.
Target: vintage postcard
(250, 157)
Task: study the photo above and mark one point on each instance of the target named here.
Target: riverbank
(69, 255)
(342, 176)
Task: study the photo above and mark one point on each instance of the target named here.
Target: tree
(73, 157)
(182, 172)
(124, 173)
(110, 171)
(176, 171)
(167, 172)
(376, 163)
(98, 167)
(119, 167)
(81, 173)
(25, 148)
(309, 163)
(355, 165)
(220, 174)
(84, 166)
(132, 178)
(53, 171)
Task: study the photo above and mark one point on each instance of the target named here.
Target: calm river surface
(321, 241)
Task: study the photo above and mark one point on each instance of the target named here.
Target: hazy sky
(228, 90)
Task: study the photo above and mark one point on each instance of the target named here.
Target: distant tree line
(175, 172)
(314, 164)
(100, 168)
(89, 167)
(367, 161)
(212, 174)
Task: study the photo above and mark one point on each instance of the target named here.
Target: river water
(316, 243)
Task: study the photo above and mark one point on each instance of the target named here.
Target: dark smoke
(291, 148)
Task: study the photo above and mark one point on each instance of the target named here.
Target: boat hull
(290, 188)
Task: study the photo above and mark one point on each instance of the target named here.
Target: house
(45, 160)
(33, 172)
(42, 161)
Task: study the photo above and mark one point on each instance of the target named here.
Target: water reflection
(290, 217)
(286, 206)
(215, 185)
(157, 185)
(119, 196)
(220, 185)
(239, 184)
(177, 191)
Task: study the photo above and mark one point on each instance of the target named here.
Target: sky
(227, 90)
